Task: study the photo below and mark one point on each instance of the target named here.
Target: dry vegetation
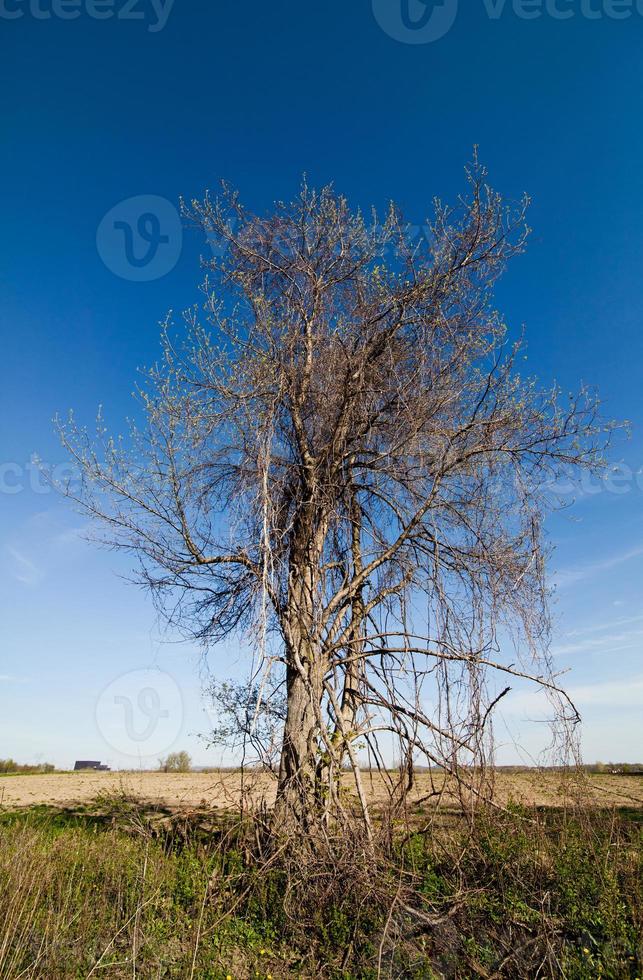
(118, 888)
(224, 788)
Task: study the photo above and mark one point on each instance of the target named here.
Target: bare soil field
(223, 789)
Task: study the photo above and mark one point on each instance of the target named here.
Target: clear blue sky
(95, 112)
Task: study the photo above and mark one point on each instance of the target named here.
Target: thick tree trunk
(298, 753)
(296, 796)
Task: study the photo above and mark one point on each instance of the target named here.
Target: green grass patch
(117, 889)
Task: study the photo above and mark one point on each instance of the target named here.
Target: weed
(118, 887)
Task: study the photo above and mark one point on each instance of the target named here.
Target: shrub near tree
(176, 762)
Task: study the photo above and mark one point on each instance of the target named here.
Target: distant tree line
(616, 767)
(10, 765)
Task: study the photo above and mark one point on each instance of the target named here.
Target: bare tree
(340, 454)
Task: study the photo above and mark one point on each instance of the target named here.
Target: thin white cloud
(571, 576)
(602, 627)
(71, 537)
(612, 643)
(619, 694)
(627, 693)
(609, 636)
(54, 545)
(23, 569)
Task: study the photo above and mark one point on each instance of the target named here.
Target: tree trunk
(298, 753)
(296, 797)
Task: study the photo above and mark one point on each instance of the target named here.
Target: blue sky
(96, 112)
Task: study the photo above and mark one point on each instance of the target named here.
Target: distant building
(88, 764)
